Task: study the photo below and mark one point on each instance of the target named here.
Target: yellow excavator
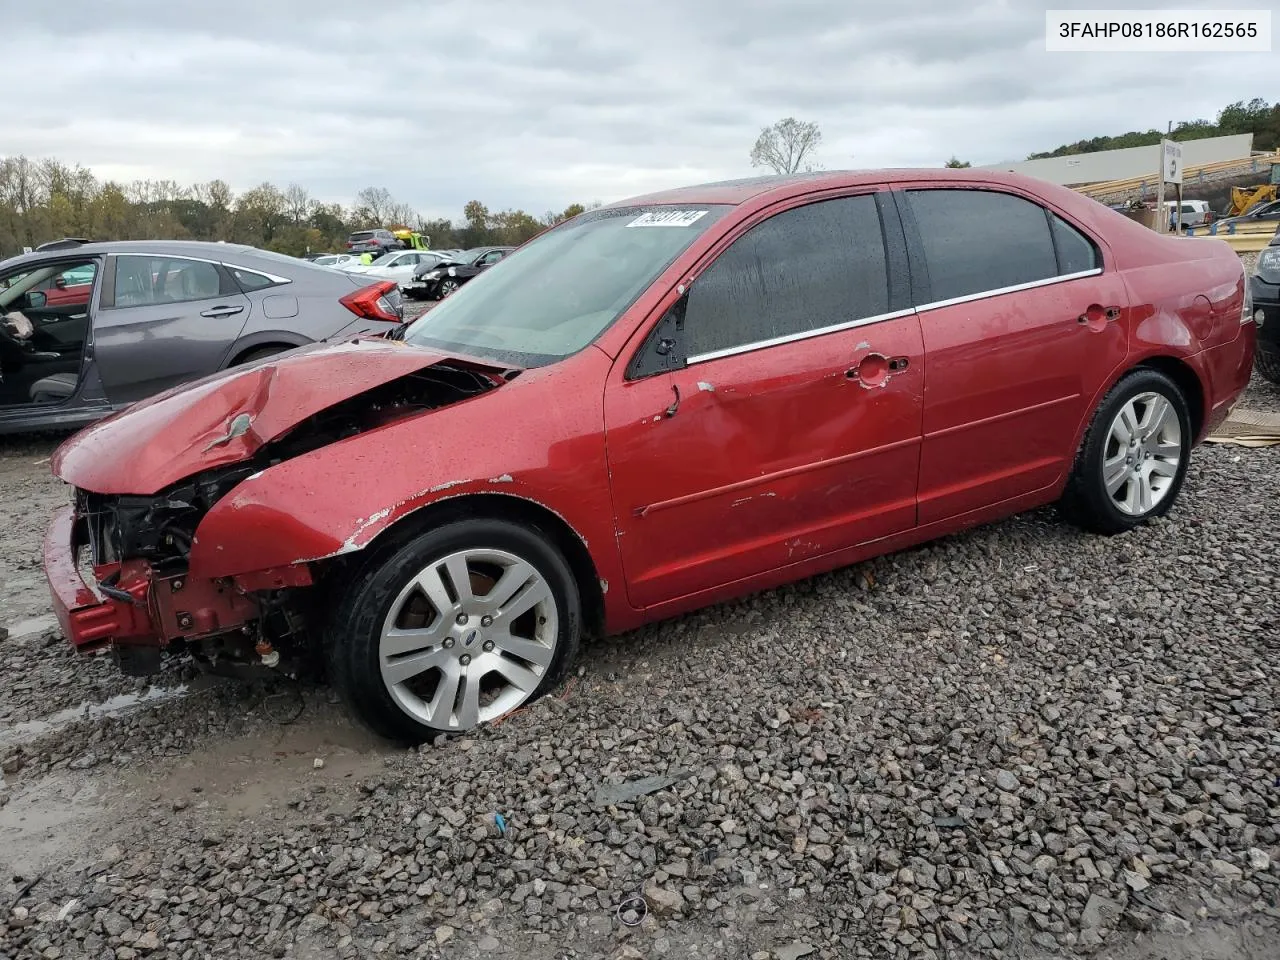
(1244, 199)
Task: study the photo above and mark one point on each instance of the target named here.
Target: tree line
(1258, 117)
(43, 200)
(788, 145)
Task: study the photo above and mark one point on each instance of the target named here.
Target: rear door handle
(874, 369)
(1098, 313)
(215, 312)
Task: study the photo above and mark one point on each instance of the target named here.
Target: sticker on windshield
(667, 218)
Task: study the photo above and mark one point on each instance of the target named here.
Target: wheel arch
(284, 339)
(1188, 381)
(513, 509)
(1177, 369)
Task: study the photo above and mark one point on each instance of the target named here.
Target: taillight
(378, 301)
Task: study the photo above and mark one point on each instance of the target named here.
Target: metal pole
(1162, 219)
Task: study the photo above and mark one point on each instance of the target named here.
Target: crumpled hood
(163, 439)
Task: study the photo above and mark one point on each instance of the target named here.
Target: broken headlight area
(139, 545)
(160, 528)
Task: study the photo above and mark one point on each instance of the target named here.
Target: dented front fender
(539, 438)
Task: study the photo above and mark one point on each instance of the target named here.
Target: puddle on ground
(251, 776)
(47, 820)
(24, 628)
(121, 703)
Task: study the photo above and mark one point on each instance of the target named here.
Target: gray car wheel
(465, 624)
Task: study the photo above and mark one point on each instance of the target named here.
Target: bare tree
(786, 145)
(215, 193)
(297, 203)
(374, 203)
(403, 215)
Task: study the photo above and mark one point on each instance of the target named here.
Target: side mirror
(36, 300)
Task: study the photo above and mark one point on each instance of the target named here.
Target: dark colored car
(87, 329)
(1265, 288)
(435, 282)
(377, 241)
(654, 406)
(1262, 213)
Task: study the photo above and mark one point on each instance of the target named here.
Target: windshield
(560, 291)
(384, 259)
(362, 235)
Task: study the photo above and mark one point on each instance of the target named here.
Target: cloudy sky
(539, 104)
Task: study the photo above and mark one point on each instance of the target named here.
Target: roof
(781, 186)
(191, 248)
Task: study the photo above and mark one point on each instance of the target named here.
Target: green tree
(956, 163)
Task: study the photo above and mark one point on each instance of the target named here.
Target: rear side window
(808, 268)
(146, 281)
(980, 240)
(251, 280)
(1076, 252)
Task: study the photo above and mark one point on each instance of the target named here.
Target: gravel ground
(1019, 742)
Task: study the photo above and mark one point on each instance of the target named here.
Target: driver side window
(805, 269)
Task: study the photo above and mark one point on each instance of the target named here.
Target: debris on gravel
(1018, 742)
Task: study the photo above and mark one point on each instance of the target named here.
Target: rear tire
(1134, 457)
(414, 656)
(1266, 360)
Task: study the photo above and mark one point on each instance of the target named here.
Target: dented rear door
(794, 429)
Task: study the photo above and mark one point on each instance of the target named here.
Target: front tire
(461, 626)
(447, 287)
(1134, 458)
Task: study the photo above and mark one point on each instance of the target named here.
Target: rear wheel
(261, 353)
(1266, 360)
(1134, 457)
(463, 625)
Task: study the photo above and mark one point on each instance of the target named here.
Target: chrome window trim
(260, 273)
(217, 263)
(793, 337)
(881, 317)
(1001, 291)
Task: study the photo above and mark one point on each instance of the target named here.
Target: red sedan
(654, 406)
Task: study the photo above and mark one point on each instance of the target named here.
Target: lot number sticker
(667, 218)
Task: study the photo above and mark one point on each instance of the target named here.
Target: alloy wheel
(468, 639)
(1142, 454)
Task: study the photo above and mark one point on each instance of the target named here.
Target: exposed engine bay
(139, 545)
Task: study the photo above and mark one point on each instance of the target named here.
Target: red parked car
(652, 407)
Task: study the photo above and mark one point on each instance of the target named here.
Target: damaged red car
(655, 406)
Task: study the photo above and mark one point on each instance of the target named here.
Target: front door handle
(226, 311)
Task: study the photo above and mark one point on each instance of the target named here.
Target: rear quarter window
(1076, 252)
(251, 280)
